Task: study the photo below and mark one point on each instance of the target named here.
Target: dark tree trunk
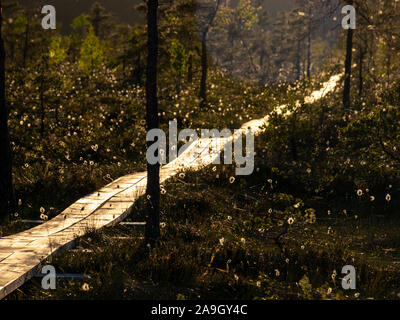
(204, 58)
(124, 66)
(26, 44)
(42, 112)
(138, 70)
(298, 71)
(12, 50)
(56, 116)
(41, 96)
(178, 88)
(204, 70)
(347, 74)
(309, 56)
(360, 74)
(309, 46)
(388, 65)
(190, 69)
(96, 28)
(7, 197)
(153, 171)
(398, 94)
(263, 73)
(293, 144)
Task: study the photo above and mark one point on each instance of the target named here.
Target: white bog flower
(85, 287)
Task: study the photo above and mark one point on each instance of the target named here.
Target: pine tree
(98, 18)
(179, 62)
(91, 53)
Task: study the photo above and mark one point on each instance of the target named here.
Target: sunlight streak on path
(22, 254)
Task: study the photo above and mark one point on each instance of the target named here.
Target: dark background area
(123, 10)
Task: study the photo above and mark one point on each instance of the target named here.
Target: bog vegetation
(325, 188)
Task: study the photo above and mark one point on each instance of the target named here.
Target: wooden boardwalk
(21, 254)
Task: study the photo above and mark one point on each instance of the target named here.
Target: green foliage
(91, 53)
(178, 57)
(20, 24)
(57, 51)
(81, 23)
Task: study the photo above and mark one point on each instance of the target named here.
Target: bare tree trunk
(7, 196)
(360, 74)
(41, 96)
(138, 70)
(190, 69)
(26, 44)
(204, 61)
(204, 71)
(309, 45)
(298, 71)
(153, 171)
(388, 65)
(262, 71)
(347, 75)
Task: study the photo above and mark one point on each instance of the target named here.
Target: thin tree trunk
(204, 71)
(262, 72)
(204, 61)
(360, 74)
(26, 44)
(56, 112)
(309, 46)
(298, 60)
(388, 65)
(347, 75)
(7, 196)
(42, 102)
(293, 144)
(152, 232)
(42, 115)
(178, 87)
(190, 69)
(138, 70)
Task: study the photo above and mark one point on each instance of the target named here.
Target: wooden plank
(135, 224)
